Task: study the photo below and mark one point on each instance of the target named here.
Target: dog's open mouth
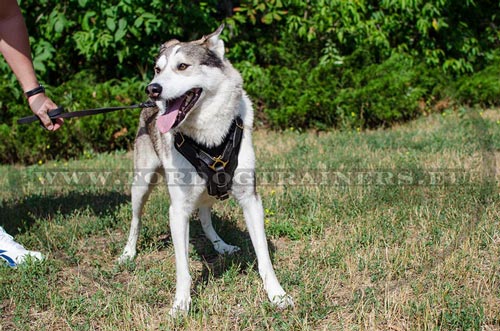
(177, 109)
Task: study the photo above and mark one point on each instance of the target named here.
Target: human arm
(14, 45)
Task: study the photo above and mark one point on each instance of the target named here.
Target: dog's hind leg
(206, 223)
(254, 218)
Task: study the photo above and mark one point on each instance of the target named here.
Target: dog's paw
(223, 248)
(282, 301)
(180, 307)
(126, 257)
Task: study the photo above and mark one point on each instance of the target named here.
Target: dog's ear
(214, 43)
(168, 44)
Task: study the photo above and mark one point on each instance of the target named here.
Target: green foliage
(364, 63)
(103, 132)
(481, 87)
(385, 93)
(327, 95)
(321, 64)
(297, 96)
(457, 36)
(110, 38)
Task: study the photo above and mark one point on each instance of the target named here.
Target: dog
(199, 98)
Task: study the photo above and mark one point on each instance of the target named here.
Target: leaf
(122, 23)
(86, 20)
(267, 19)
(121, 54)
(110, 23)
(435, 24)
(59, 25)
(121, 32)
(138, 21)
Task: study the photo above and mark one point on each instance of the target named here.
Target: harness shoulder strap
(232, 150)
(217, 170)
(185, 146)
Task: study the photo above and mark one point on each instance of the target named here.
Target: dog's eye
(157, 70)
(182, 66)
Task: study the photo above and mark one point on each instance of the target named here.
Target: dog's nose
(153, 90)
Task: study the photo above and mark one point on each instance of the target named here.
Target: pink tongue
(165, 122)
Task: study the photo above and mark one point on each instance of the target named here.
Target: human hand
(40, 104)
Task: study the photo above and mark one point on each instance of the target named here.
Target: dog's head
(184, 74)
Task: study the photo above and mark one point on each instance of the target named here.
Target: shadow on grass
(18, 214)
(214, 264)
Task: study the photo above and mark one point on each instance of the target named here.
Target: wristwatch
(36, 90)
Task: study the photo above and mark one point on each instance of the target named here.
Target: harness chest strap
(217, 170)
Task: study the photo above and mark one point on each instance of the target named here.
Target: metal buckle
(183, 140)
(240, 126)
(218, 160)
(223, 196)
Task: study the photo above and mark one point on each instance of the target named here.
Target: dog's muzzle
(154, 90)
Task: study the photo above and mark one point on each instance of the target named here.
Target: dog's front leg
(179, 227)
(140, 194)
(254, 218)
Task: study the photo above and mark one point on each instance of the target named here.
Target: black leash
(59, 112)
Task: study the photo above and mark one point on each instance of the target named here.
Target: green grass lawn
(395, 229)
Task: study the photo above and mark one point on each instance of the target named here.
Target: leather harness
(217, 170)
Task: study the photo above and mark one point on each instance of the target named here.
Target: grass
(395, 229)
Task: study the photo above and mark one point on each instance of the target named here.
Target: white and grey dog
(198, 94)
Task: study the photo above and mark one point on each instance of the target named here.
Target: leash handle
(53, 114)
(59, 112)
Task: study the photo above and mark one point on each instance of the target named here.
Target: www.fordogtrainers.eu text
(274, 177)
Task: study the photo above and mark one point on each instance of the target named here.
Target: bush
(107, 37)
(104, 132)
(308, 96)
(335, 63)
(386, 93)
(480, 88)
(298, 97)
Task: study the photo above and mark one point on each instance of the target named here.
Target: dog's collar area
(217, 170)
